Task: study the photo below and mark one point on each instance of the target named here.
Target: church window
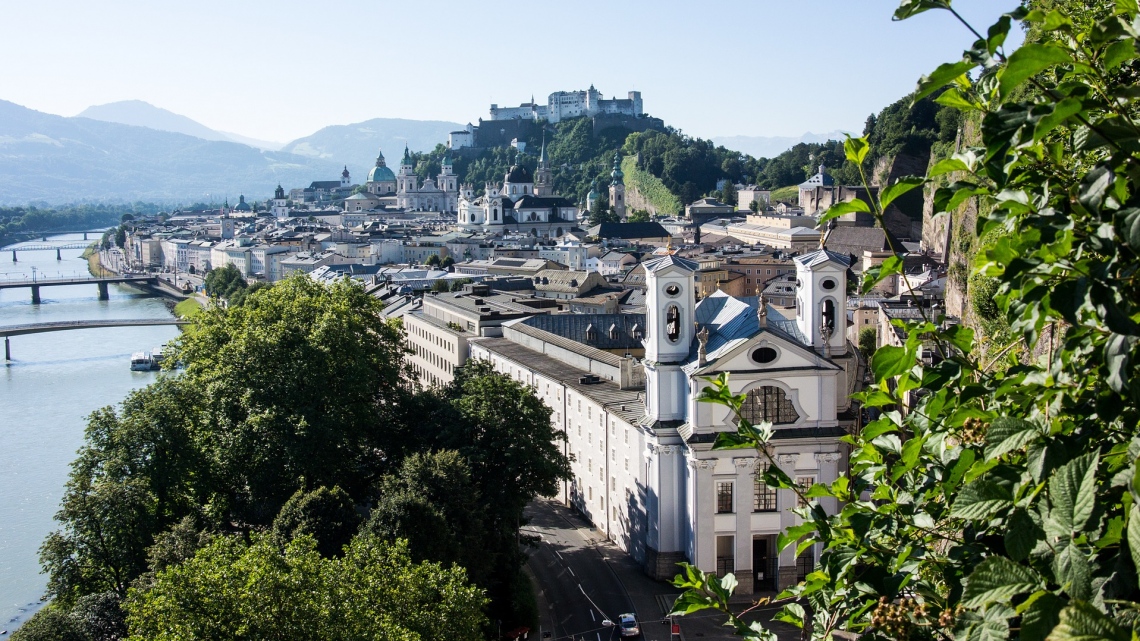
(828, 284)
(764, 355)
(763, 497)
(829, 314)
(804, 483)
(673, 323)
(724, 497)
(769, 404)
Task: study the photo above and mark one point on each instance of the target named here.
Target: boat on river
(141, 362)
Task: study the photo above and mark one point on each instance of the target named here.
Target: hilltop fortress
(571, 104)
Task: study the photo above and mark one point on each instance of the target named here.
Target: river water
(54, 381)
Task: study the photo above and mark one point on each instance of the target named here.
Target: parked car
(629, 626)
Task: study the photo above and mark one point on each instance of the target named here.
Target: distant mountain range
(132, 150)
(771, 146)
(144, 114)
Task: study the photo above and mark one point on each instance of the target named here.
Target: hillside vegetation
(655, 193)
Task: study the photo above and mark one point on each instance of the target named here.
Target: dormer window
(591, 333)
(614, 332)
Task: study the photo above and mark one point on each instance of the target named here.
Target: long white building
(625, 389)
(570, 104)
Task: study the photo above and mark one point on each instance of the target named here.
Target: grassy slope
(791, 193)
(650, 187)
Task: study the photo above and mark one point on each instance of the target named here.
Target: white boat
(156, 357)
(141, 362)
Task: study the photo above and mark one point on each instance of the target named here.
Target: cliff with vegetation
(645, 191)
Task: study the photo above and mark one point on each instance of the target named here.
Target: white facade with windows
(644, 470)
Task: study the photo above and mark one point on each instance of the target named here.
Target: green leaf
(793, 534)
(1134, 531)
(1041, 617)
(908, 8)
(1028, 61)
(947, 165)
(940, 77)
(878, 426)
(1072, 490)
(841, 208)
(1021, 535)
(1081, 621)
(1129, 221)
(1007, 434)
(1119, 53)
(953, 97)
(690, 602)
(792, 613)
(901, 186)
(1063, 110)
(1094, 186)
(1117, 353)
(996, 580)
(856, 149)
(1126, 8)
(980, 499)
(890, 361)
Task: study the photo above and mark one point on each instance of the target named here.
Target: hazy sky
(281, 70)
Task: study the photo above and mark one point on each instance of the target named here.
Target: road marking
(559, 555)
(599, 636)
(592, 617)
(571, 571)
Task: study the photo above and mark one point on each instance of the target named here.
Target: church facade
(522, 203)
(644, 468)
(441, 194)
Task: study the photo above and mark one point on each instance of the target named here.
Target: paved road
(573, 553)
(578, 589)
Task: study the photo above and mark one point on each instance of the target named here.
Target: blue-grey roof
(822, 256)
(657, 264)
(628, 328)
(732, 321)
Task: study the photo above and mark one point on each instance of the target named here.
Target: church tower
(617, 188)
(543, 177)
(280, 207)
(406, 180)
(821, 300)
(345, 178)
(670, 311)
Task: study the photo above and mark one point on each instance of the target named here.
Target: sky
(281, 70)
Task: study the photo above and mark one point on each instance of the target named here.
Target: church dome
(381, 174)
(518, 174)
(242, 205)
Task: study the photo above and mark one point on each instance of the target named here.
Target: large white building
(570, 104)
(522, 203)
(625, 389)
(441, 194)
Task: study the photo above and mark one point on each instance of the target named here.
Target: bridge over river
(147, 280)
(59, 326)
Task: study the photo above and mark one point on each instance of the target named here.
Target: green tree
(728, 193)
(231, 590)
(433, 504)
(1004, 502)
(638, 216)
(447, 261)
(327, 515)
(120, 236)
(458, 283)
(440, 285)
(297, 389)
(432, 261)
(868, 340)
(600, 212)
(240, 295)
(53, 623)
(223, 282)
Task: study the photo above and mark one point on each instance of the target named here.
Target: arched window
(771, 404)
(829, 314)
(673, 323)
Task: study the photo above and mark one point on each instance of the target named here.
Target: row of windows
(763, 497)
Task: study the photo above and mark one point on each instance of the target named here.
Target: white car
(629, 626)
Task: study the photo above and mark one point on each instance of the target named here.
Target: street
(579, 575)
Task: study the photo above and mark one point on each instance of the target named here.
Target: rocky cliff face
(904, 216)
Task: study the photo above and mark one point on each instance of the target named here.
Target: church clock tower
(670, 309)
(617, 188)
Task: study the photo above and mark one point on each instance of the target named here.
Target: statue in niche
(673, 323)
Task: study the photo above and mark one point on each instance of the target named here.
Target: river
(54, 381)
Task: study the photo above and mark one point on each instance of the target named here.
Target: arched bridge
(59, 326)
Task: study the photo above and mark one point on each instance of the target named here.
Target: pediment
(766, 350)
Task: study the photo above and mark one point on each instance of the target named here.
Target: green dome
(381, 174)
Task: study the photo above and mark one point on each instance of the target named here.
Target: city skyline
(271, 72)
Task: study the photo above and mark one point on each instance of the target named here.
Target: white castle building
(570, 104)
(522, 203)
(626, 390)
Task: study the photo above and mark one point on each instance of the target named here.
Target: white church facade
(625, 389)
(441, 194)
(522, 203)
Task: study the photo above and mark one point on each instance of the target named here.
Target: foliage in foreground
(293, 418)
(998, 500)
(231, 590)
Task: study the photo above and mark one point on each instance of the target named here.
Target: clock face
(672, 290)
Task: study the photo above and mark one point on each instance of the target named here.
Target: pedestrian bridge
(35, 285)
(59, 326)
